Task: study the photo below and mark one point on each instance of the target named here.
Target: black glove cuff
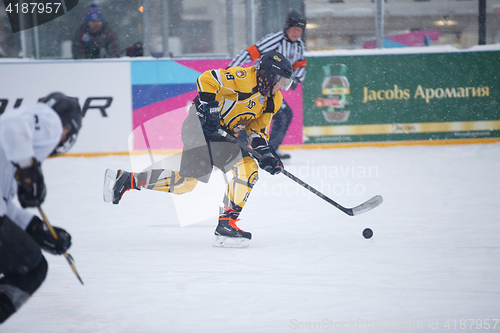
(35, 227)
(264, 150)
(31, 189)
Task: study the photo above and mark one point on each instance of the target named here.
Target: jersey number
(37, 125)
(251, 104)
(229, 76)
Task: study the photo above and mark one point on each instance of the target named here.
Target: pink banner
(158, 125)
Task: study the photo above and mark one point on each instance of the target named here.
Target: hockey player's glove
(210, 118)
(270, 160)
(42, 235)
(30, 185)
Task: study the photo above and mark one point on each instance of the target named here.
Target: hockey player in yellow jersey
(233, 100)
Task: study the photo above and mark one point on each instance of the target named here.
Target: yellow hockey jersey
(242, 106)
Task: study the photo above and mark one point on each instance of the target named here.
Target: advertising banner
(102, 89)
(402, 97)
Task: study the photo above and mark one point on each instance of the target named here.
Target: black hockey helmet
(295, 19)
(70, 113)
(273, 66)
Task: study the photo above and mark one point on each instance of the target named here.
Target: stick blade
(367, 205)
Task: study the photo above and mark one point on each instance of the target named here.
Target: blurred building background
(220, 28)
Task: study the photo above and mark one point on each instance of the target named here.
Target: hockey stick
(68, 257)
(364, 207)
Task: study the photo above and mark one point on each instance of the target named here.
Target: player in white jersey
(28, 135)
(288, 43)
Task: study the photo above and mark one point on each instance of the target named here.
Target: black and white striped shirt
(278, 41)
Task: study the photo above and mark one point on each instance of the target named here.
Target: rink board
(133, 105)
(400, 97)
(162, 92)
(102, 88)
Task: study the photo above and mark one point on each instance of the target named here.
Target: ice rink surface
(433, 263)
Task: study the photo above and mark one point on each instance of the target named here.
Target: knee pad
(35, 278)
(28, 282)
(245, 175)
(16, 289)
(246, 171)
(19, 253)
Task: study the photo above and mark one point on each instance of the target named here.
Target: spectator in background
(95, 39)
(136, 50)
(288, 43)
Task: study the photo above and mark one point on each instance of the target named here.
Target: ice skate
(227, 233)
(116, 183)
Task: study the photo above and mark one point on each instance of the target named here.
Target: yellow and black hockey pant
(245, 175)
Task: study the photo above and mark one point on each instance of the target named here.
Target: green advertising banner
(398, 97)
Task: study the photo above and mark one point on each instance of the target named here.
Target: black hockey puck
(367, 233)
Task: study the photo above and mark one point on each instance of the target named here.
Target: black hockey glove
(270, 161)
(210, 118)
(42, 235)
(210, 121)
(295, 83)
(30, 185)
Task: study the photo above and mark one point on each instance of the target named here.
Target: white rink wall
(96, 84)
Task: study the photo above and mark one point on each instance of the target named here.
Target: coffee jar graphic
(336, 95)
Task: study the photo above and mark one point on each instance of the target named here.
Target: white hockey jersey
(25, 132)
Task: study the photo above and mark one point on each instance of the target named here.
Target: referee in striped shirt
(288, 43)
